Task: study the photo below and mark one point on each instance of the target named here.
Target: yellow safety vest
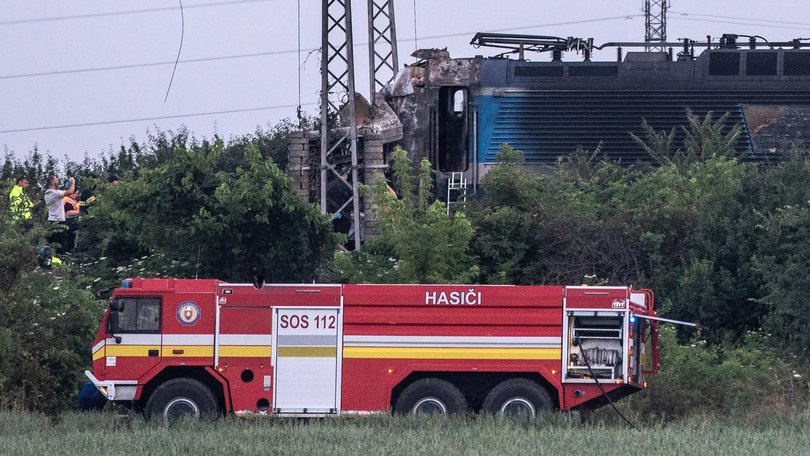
(19, 204)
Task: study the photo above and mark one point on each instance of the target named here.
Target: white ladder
(458, 184)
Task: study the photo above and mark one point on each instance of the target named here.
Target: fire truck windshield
(134, 315)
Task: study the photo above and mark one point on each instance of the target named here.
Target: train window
(797, 64)
(459, 102)
(760, 64)
(724, 63)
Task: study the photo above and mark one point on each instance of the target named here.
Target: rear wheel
(179, 398)
(431, 396)
(518, 397)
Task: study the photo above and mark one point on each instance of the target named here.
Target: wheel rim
(180, 407)
(518, 407)
(430, 406)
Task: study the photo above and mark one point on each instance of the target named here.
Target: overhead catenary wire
(179, 50)
(146, 64)
(122, 13)
(748, 24)
(293, 51)
(762, 23)
(144, 119)
(737, 18)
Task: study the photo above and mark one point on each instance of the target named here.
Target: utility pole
(383, 61)
(337, 91)
(338, 95)
(655, 25)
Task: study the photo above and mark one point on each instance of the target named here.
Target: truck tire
(181, 397)
(518, 397)
(431, 396)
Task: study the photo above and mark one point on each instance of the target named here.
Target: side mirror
(112, 322)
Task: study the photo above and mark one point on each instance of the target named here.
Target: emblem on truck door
(188, 313)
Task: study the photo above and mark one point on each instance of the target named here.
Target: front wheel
(431, 396)
(179, 398)
(518, 397)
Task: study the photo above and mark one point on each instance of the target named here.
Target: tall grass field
(556, 434)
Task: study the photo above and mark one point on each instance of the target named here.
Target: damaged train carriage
(459, 112)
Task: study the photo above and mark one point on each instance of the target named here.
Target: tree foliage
(419, 241)
(239, 223)
(686, 228)
(47, 320)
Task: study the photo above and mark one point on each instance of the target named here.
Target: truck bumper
(114, 390)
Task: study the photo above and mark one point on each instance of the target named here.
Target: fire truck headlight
(391, 371)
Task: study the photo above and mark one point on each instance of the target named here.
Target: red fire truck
(174, 347)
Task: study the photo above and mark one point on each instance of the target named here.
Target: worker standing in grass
(19, 202)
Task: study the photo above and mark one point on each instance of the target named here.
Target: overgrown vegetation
(419, 243)
(721, 241)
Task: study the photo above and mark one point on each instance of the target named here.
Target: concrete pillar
(298, 162)
(374, 165)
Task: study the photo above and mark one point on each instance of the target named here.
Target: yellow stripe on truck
(131, 350)
(244, 351)
(307, 352)
(188, 351)
(451, 353)
(264, 351)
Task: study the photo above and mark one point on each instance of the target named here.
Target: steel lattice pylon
(655, 24)
(338, 95)
(383, 62)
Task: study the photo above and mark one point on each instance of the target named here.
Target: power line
(179, 50)
(148, 64)
(122, 13)
(717, 16)
(750, 24)
(143, 119)
(110, 122)
(293, 51)
(526, 27)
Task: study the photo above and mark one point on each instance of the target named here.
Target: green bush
(47, 323)
(746, 383)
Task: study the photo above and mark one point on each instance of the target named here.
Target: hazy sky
(84, 77)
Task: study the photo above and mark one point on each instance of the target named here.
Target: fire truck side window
(139, 315)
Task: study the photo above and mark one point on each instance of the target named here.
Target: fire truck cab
(173, 347)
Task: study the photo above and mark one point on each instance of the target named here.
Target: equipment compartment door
(307, 343)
